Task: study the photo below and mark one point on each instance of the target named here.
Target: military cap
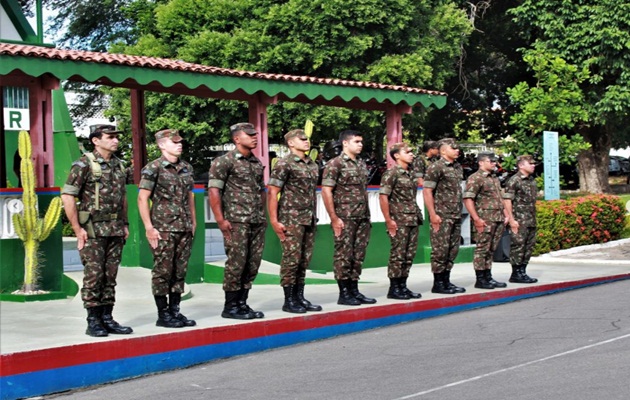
(448, 141)
(98, 130)
(243, 126)
(173, 134)
(526, 157)
(486, 155)
(295, 133)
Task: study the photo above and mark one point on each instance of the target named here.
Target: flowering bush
(578, 221)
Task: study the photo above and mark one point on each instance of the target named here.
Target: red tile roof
(177, 65)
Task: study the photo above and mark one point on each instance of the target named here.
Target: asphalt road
(573, 345)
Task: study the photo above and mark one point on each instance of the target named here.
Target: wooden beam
(258, 117)
(138, 132)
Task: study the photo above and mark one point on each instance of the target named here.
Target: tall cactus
(29, 227)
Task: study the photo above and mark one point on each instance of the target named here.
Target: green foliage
(578, 221)
(554, 102)
(407, 42)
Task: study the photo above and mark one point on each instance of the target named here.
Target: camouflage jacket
(242, 184)
(297, 179)
(484, 188)
(348, 178)
(420, 165)
(522, 191)
(170, 185)
(112, 191)
(400, 187)
(445, 178)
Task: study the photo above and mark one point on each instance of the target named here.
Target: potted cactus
(31, 229)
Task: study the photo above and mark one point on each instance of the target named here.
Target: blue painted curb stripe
(60, 379)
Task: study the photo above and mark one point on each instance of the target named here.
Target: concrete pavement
(43, 341)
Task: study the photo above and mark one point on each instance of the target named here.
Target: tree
(554, 102)
(407, 42)
(593, 34)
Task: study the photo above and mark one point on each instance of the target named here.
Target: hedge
(578, 221)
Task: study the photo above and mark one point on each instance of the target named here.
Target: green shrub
(66, 229)
(578, 221)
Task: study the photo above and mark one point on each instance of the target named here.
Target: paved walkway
(48, 324)
(44, 348)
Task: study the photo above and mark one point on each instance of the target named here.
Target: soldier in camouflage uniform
(169, 223)
(483, 200)
(519, 199)
(397, 197)
(293, 218)
(430, 154)
(237, 197)
(344, 185)
(100, 224)
(442, 198)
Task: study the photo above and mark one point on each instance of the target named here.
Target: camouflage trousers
(403, 251)
(297, 251)
(522, 245)
(170, 262)
(244, 253)
(445, 245)
(486, 243)
(350, 248)
(100, 257)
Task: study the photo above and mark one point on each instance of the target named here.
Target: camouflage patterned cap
(486, 155)
(244, 127)
(295, 133)
(448, 141)
(173, 134)
(526, 157)
(96, 131)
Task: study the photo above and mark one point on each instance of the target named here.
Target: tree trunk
(593, 163)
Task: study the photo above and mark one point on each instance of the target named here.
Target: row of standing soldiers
(238, 199)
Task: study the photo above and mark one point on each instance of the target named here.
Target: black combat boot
(173, 305)
(232, 308)
(242, 303)
(165, 319)
(439, 286)
(492, 281)
(520, 276)
(482, 280)
(526, 278)
(291, 305)
(447, 282)
(95, 326)
(299, 296)
(111, 325)
(516, 274)
(405, 289)
(354, 289)
(395, 291)
(345, 295)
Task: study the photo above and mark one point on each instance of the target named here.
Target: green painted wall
(137, 251)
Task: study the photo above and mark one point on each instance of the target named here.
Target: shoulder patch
(79, 163)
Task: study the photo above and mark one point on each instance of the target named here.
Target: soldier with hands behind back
(99, 222)
(170, 224)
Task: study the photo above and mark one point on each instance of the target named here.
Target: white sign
(552, 165)
(17, 119)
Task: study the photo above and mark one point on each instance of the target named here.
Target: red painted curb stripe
(59, 357)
